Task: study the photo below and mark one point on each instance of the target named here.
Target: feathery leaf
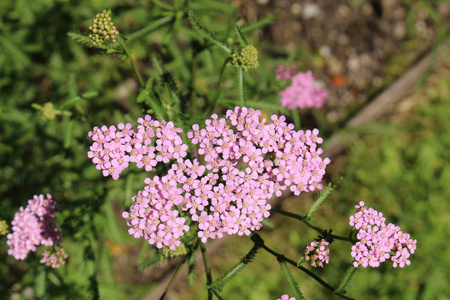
(221, 281)
(291, 281)
(205, 32)
(346, 278)
(321, 198)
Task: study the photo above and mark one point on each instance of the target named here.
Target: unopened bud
(103, 29)
(246, 59)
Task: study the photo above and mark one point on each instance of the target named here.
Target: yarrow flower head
(246, 59)
(114, 148)
(54, 259)
(103, 29)
(286, 297)
(379, 242)
(246, 162)
(317, 253)
(283, 72)
(303, 93)
(33, 226)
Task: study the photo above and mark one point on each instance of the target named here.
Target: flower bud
(246, 59)
(103, 29)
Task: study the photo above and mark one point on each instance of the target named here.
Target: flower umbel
(33, 226)
(103, 29)
(246, 162)
(317, 253)
(246, 59)
(54, 259)
(283, 72)
(379, 242)
(302, 93)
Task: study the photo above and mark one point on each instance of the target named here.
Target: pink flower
(303, 93)
(33, 226)
(379, 242)
(286, 297)
(283, 72)
(317, 253)
(246, 162)
(54, 259)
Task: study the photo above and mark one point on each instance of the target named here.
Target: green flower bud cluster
(246, 59)
(103, 29)
(48, 111)
(3, 228)
(180, 250)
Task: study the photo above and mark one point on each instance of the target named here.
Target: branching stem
(319, 230)
(259, 241)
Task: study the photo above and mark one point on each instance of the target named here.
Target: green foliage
(205, 32)
(220, 282)
(346, 279)
(320, 198)
(295, 289)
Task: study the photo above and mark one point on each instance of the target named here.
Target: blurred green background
(399, 166)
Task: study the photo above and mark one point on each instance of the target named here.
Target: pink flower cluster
(379, 242)
(303, 93)
(54, 259)
(33, 226)
(317, 253)
(283, 72)
(115, 147)
(245, 162)
(286, 297)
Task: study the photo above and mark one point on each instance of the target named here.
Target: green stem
(174, 276)
(296, 116)
(219, 83)
(318, 229)
(241, 86)
(192, 94)
(207, 270)
(314, 276)
(133, 64)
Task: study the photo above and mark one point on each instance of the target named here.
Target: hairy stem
(133, 64)
(296, 116)
(192, 94)
(219, 83)
(240, 74)
(318, 229)
(174, 276)
(281, 257)
(207, 270)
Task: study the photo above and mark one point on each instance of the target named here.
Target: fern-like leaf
(108, 48)
(80, 38)
(154, 259)
(259, 23)
(240, 36)
(346, 278)
(291, 281)
(205, 32)
(321, 198)
(219, 283)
